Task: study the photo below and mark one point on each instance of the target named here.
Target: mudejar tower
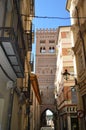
(46, 66)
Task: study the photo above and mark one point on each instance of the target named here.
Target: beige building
(35, 100)
(16, 37)
(77, 9)
(65, 86)
(46, 67)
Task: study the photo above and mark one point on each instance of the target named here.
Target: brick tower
(46, 65)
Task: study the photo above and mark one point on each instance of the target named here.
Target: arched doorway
(47, 118)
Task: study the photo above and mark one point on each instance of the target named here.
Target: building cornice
(68, 5)
(34, 82)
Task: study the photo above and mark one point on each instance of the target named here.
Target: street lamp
(66, 74)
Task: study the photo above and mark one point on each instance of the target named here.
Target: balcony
(32, 7)
(26, 86)
(29, 36)
(31, 62)
(12, 49)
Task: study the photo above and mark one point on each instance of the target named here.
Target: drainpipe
(12, 88)
(10, 109)
(29, 87)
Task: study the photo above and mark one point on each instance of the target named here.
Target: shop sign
(80, 113)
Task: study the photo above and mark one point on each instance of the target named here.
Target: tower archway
(48, 118)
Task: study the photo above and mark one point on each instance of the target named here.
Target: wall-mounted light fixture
(66, 74)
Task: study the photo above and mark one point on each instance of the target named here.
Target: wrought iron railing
(31, 62)
(26, 86)
(32, 7)
(29, 36)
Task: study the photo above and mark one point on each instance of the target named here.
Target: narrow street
(42, 65)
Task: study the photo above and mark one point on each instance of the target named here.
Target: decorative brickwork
(46, 65)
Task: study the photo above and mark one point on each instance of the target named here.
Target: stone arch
(43, 116)
(46, 107)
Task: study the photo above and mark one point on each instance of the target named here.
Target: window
(42, 50)
(51, 49)
(74, 96)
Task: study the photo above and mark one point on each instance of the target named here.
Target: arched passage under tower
(48, 118)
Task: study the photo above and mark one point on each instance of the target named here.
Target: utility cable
(53, 17)
(64, 18)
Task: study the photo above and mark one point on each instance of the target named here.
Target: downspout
(10, 107)
(13, 90)
(29, 87)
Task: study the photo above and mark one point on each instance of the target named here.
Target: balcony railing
(11, 47)
(26, 88)
(32, 7)
(28, 40)
(31, 62)
(29, 36)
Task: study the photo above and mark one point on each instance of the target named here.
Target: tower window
(42, 50)
(51, 49)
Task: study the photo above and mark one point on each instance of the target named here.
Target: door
(74, 124)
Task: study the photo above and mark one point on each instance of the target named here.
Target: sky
(48, 112)
(50, 8)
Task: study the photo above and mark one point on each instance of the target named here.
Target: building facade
(77, 9)
(15, 62)
(35, 102)
(65, 86)
(46, 66)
